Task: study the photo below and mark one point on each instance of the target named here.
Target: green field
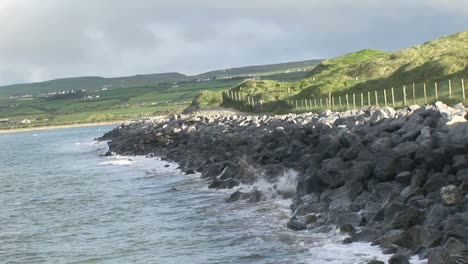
(119, 103)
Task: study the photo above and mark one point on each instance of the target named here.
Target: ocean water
(61, 202)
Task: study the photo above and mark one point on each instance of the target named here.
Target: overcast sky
(46, 39)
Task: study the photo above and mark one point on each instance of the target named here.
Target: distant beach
(13, 130)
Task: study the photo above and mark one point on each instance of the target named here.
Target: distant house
(4, 120)
(26, 121)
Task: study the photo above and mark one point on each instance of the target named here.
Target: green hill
(369, 70)
(126, 97)
(89, 83)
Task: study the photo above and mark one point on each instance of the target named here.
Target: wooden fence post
(393, 97)
(425, 94)
(414, 94)
(315, 102)
(463, 88)
(385, 96)
(368, 99)
(376, 98)
(354, 100)
(327, 103)
(295, 102)
(404, 96)
(339, 100)
(362, 100)
(347, 102)
(332, 102)
(321, 102)
(450, 89)
(435, 90)
(329, 100)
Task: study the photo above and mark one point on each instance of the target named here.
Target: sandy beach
(13, 130)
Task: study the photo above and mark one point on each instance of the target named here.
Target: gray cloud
(55, 38)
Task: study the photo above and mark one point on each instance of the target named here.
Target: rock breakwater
(398, 179)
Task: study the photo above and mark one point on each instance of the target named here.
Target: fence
(450, 91)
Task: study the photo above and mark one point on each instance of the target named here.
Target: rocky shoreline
(398, 179)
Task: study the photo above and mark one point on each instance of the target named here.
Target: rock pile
(398, 179)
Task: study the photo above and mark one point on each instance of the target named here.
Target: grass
(117, 104)
(367, 71)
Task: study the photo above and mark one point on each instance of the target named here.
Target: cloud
(55, 38)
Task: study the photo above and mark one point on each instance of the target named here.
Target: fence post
(310, 104)
(321, 102)
(376, 98)
(368, 99)
(327, 103)
(385, 96)
(425, 94)
(393, 97)
(354, 101)
(414, 94)
(332, 102)
(339, 100)
(329, 100)
(435, 90)
(362, 100)
(404, 96)
(295, 101)
(347, 102)
(315, 102)
(463, 88)
(450, 89)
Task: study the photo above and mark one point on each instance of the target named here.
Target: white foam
(118, 162)
(287, 183)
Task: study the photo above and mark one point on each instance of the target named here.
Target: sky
(49, 39)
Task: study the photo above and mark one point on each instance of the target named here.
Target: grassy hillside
(261, 70)
(369, 70)
(89, 83)
(115, 102)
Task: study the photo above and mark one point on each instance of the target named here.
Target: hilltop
(369, 70)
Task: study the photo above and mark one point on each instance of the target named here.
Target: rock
(296, 225)
(460, 162)
(407, 218)
(359, 171)
(347, 240)
(251, 197)
(386, 165)
(403, 177)
(348, 229)
(452, 252)
(418, 237)
(392, 237)
(375, 262)
(435, 182)
(451, 195)
(310, 219)
(399, 259)
(367, 235)
(436, 216)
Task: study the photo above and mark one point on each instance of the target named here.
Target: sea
(62, 201)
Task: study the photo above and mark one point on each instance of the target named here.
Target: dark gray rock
(403, 177)
(435, 182)
(386, 165)
(296, 225)
(399, 259)
(436, 216)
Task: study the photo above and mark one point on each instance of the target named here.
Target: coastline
(393, 178)
(41, 128)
